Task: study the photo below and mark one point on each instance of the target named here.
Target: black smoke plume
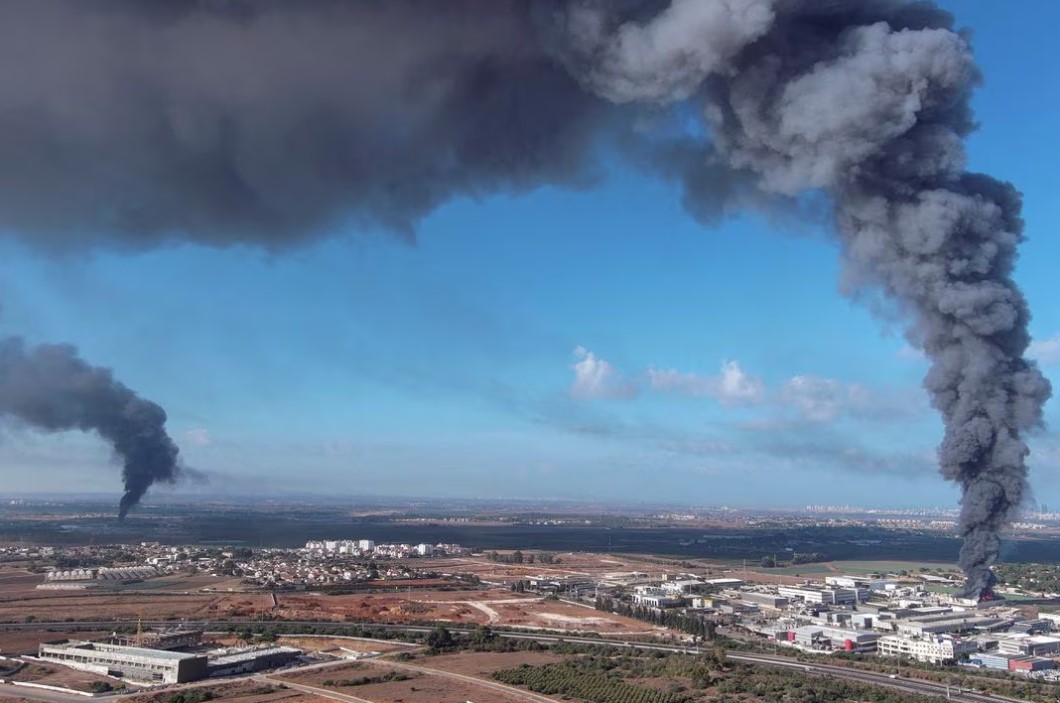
(50, 388)
(125, 123)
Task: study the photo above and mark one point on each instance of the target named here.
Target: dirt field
(57, 675)
(328, 644)
(495, 607)
(129, 605)
(483, 664)
(13, 643)
(18, 580)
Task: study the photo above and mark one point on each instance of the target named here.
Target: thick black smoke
(270, 121)
(50, 388)
(267, 121)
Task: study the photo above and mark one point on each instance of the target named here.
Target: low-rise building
(767, 600)
(935, 649)
(136, 663)
(653, 597)
(818, 594)
(1030, 645)
(242, 661)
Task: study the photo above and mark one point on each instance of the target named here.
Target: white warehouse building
(817, 594)
(934, 649)
(137, 663)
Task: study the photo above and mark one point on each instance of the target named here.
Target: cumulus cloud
(596, 378)
(1046, 351)
(732, 385)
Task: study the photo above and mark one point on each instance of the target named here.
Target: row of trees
(771, 562)
(689, 623)
(587, 683)
(517, 557)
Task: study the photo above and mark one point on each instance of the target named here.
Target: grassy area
(857, 568)
(798, 570)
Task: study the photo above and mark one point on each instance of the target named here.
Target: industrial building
(834, 638)
(948, 623)
(136, 663)
(861, 582)
(767, 600)
(243, 661)
(816, 594)
(935, 649)
(1028, 645)
(654, 597)
(1000, 661)
(165, 639)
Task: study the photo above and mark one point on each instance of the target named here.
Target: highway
(813, 668)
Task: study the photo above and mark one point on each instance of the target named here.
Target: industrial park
(182, 614)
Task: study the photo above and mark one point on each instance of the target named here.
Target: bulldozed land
(492, 607)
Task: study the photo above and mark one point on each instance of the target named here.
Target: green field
(855, 568)
(798, 570)
(858, 568)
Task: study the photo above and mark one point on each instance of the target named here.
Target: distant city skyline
(592, 343)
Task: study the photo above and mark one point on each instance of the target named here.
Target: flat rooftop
(121, 649)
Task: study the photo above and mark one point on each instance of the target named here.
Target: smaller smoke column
(49, 387)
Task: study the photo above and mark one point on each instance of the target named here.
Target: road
(868, 677)
(481, 683)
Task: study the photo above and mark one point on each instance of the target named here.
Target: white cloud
(596, 378)
(735, 386)
(826, 399)
(198, 437)
(732, 385)
(1046, 351)
(818, 399)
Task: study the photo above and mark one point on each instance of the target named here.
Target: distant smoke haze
(127, 124)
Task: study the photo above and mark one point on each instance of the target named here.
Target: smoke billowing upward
(50, 388)
(271, 122)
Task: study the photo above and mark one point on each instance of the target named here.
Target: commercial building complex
(137, 663)
(934, 649)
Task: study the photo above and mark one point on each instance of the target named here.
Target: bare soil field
(557, 615)
(493, 607)
(87, 605)
(327, 644)
(18, 581)
(13, 643)
(57, 675)
(483, 664)
(317, 677)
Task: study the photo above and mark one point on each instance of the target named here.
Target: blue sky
(594, 344)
